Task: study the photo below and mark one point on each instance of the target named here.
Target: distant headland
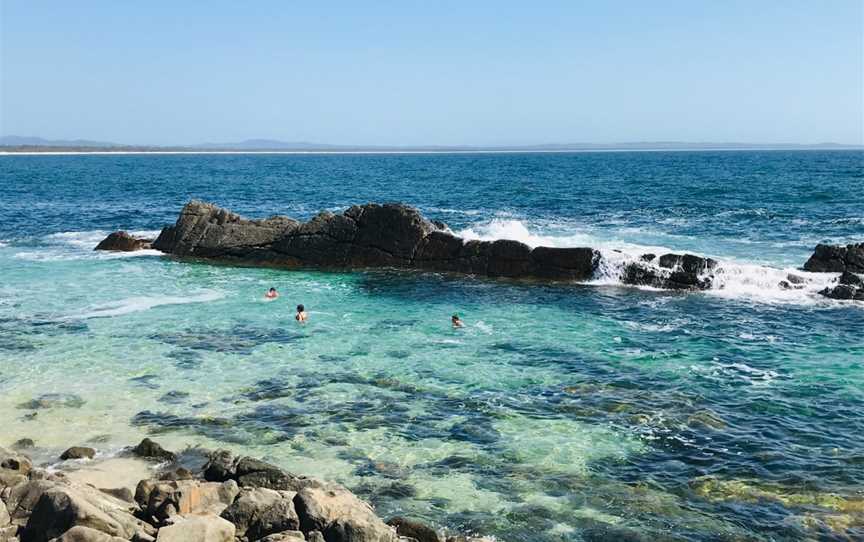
(32, 145)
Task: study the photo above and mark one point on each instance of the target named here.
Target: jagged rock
(340, 516)
(837, 258)
(221, 466)
(163, 500)
(86, 534)
(364, 236)
(672, 271)
(849, 287)
(121, 241)
(414, 529)
(152, 450)
(9, 533)
(198, 529)
(258, 512)
(78, 452)
(14, 462)
(5, 518)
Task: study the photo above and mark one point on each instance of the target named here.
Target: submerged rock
(837, 259)
(53, 400)
(121, 241)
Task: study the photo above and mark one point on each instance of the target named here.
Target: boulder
(86, 534)
(340, 516)
(671, 272)
(221, 465)
(60, 507)
(152, 450)
(836, 258)
(121, 241)
(78, 452)
(414, 529)
(161, 500)
(14, 462)
(198, 529)
(258, 512)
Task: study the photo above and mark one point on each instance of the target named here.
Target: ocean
(590, 411)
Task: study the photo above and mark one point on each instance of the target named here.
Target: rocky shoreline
(195, 496)
(393, 235)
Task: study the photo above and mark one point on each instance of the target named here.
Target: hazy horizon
(480, 75)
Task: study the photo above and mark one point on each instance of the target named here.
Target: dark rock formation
(849, 286)
(837, 259)
(151, 450)
(414, 529)
(249, 472)
(367, 236)
(78, 452)
(121, 241)
(672, 271)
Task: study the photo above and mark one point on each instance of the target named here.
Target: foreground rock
(121, 241)
(837, 259)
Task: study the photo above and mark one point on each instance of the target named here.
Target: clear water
(558, 414)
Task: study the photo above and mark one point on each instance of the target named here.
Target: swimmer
(271, 294)
(456, 321)
(301, 315)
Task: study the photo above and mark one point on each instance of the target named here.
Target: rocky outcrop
(849, 287)
(250, 472)
(837, 259)
(340, 516)
(258, 512)
(198, 529)
(367, 236)
(121, 241)
(151, 450)
(670, 271)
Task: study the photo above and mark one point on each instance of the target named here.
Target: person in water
(301, 315)
(271, 294)
(457, 322)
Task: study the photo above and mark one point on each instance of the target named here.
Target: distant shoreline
(74, 152)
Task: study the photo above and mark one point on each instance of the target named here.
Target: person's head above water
(272, 290)
(301, 308)
(455, 317)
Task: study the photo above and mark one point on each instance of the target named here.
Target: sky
(407, 72)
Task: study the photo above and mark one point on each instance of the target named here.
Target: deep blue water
(561, 413)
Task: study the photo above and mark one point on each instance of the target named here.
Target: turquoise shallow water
(559, 413)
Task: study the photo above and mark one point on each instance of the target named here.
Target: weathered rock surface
(340, 516)
(78, 452)
(288, 536)
(258, 512)
(160, 500)
(251, 472)
(198, 529)
(86, 534)
(849, 286)
(837, 259)
(367, 236)
(121, 241)
(15, 462)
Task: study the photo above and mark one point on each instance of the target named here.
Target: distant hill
(12, 143)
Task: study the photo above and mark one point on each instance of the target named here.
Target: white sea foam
(79, 245)
(731, 278)
(143, 303)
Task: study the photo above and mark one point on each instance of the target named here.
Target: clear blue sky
(408, 72)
